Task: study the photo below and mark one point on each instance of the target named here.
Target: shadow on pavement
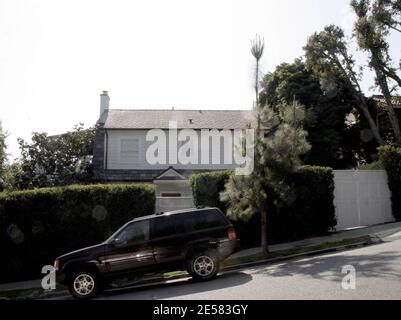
(386, 265)
(179, 288)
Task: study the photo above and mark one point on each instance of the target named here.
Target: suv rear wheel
(203, 266)
(84, 285)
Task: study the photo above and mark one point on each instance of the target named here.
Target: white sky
(57, 56)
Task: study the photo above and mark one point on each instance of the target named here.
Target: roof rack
(202, 207)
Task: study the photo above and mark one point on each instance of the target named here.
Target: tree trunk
(372, 123)
(265, 244)
(393, 75)
(359, 96)
(257, 83)
(381, 79)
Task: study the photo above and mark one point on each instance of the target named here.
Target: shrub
(206, 188)
(390, 157)
(311, 214)
(377, 165)
(36, 226)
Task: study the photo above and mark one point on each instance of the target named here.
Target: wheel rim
(203, 266)
(84, 284)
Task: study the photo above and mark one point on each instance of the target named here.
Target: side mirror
(117, 242)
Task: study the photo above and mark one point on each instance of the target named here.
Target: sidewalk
(379, 231)
(391, 230)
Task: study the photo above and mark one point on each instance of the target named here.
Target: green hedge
(390, 157)
(38, 225)
(312, 213)
(206, 188)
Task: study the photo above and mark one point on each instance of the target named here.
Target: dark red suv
(196, 240)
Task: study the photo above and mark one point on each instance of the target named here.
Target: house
(381, 101)
(382, 117)
(125, 143)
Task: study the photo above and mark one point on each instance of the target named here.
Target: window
(134, 232)
(206, 219)
(129, 150)
(165, 227)
(171, 195)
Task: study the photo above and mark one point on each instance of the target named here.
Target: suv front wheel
(84, 285)
(203, 266)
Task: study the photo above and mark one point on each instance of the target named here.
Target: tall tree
(257, 49)
(277, 154)
(57, 160)
(371, 35)
(388, 13)
(327, 52)
(280, 140)
(334, 142)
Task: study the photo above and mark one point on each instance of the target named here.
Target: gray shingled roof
(186, 119)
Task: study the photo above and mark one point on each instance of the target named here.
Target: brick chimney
(104, 102)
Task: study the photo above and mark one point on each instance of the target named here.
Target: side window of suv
(206, 219)
(135, 232)
(164, 227)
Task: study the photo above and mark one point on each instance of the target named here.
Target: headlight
(56, 264)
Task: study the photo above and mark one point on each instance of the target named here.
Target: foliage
(38, 225)
(390, 157)
(377, 165)
(11, 174)
(327, 55)
(312, 213)
(388, 13)
(257, 49)
(3, 157)
(206, 188)
(371, 35)
(57, 160)
(314, 204)
(334, 142)
(279, 144)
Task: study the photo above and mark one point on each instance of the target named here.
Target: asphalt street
(378, 276)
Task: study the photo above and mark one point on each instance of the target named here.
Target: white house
(122, 146)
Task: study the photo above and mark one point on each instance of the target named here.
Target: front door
(130, 249)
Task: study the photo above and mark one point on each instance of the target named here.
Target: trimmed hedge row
(312, 213)
(206, 188)
(38, 225)
(390, 157)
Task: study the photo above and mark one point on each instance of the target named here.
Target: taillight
(231, 234)
(56, 264)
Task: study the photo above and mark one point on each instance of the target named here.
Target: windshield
(115, 234)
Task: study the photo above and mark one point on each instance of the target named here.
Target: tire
(84, 285)
(203, 266)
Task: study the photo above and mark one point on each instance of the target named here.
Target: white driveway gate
(361, 198)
